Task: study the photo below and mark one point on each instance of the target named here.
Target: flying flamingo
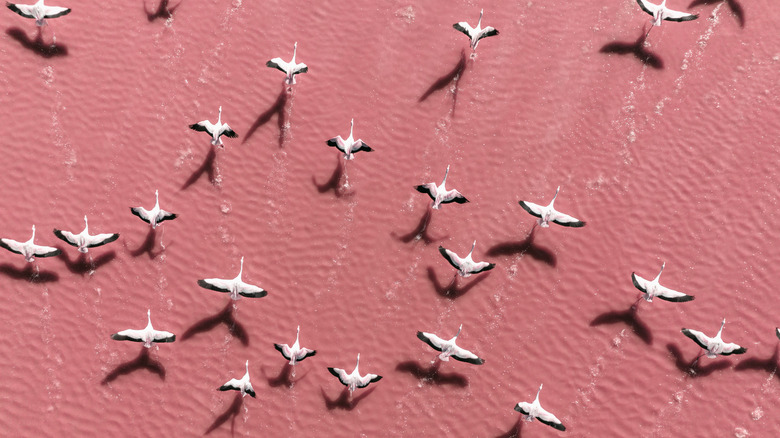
(39, 11)
(440, 194)
(466, 266)
(661, 12)
(354, 380)
(475, 34)
(713, 346)
(216, 130)
(652, 289)
(243, 385)
(155, 215)
(289, 68)
(535, 410)
(28, 249)
(296, 353)
(449, 348)
(148, 335)
(549, 214)
(83, 240)
(234, 287)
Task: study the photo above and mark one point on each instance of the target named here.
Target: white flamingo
(215, 130)
(289, 68)
(28, 249)
(296, 353)
(661, 13)
(449, 348)
(652, 289)
(83, 240)
(440, 194)
(713, 346)
(234, 287)
(466, 266)
(243, 384)
(354, 380)
(550, 214)
(477, 33)
(155, 215)
(39, 11)
(535, 410)
(148, 335)
(349, 146)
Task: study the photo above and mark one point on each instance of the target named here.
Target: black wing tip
(331, 142)
(519, 409)
(460, 200)
(254, 295)
(333, 371)
(230, 133)
(477, 361)
(56, 252)
(251, 393)
(376, 379)
(577, 224)
(527, 208)
(683, 299)
(225, 388)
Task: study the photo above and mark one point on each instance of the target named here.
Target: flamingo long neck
(247, 368)
(86, 225)
(357, 365)
(156, 199)
(479, 23)
(241, 269)
(219, 117)
(447, 172)
(473, 245)
(659, 274)
(538, 392)
(297, 334)
(459, 329)
(295, 49)
(556, 195)
(721, 328)
(149, 318)
(33, 235)
(351, 126)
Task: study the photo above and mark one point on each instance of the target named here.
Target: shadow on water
(334, 182)
(142, 362)
(636, 48)
(148, 246)
(432, 374)
(735, 7)
(85, 264)
(224, 316)
(343, 401)
(229, 414)
(453, 75)
(284, 378)
(276, 109)
(37, 45)
(768, 365)
(452, 290)
(628, 317)
(207, 167)
(28, 273)
(163, 10)
(420, 232)
(523, 247)
(692, 368)
(515, 432)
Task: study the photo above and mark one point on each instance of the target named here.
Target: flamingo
(155, 215)
(243, 385)
(296, 353)
(216, 130)
(349, 146)
(148, 335)
(549, 214)
(449, 348)
(354, 380)
(535, 410)
(39, 11)
(652, 289)
(475, 34)
(28, 249)
(440, 194)
(234, 287)
(83, 241)
(713, 346)
(466, 266)
(661, 12)
(289, 68)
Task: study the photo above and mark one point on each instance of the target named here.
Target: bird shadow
(692, 368)
(628, 317)
(284, 378)
(344, 401)
(276, 109)
(225, 316)
(515, 432)
(453, 290)
(525, 246)
(229, 414)
(142, 361)
(163, 10)
(334, 182)
(420, 232)
(735, 7)
(28, 273)
(37, 45)
(206, 167)
(453, 76)
(83, 264)
(432, 374)
(636, 48)
(768, 365)
(148, 246)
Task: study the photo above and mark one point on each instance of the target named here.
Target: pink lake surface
(670, 153)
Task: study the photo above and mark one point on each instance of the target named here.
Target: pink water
(668, 160)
